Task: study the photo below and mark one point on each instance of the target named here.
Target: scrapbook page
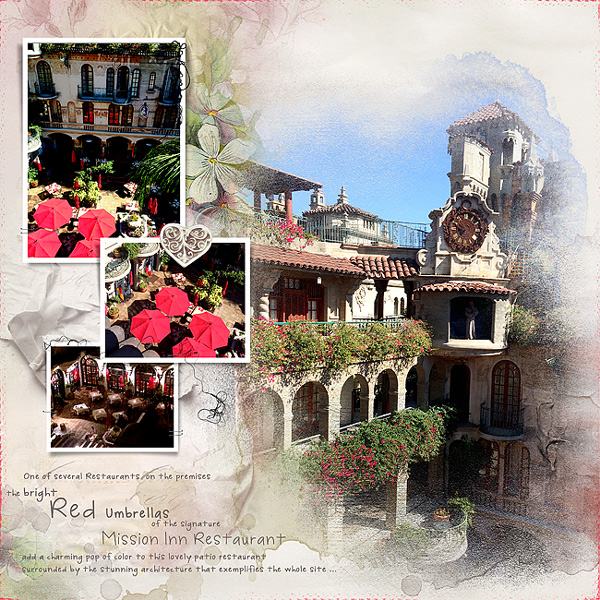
(298, 299)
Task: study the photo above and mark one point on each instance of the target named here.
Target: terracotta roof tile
(298, 259)
(385, 267)
(341, 208)
(476, 287)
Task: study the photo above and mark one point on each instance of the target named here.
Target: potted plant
(113, 308)
(143, 283)
(441, 514)
(164, 261)
(32, 175)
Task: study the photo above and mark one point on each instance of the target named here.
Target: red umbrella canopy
(53, 213)
(172, 301)
(43, 244)
(209, 329)
(193, 348)
(150, 326)
(86, 249)
(96, 223)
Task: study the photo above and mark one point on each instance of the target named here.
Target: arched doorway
(386, 393)
(411, 388)
(170, 383)
(308, 406)
(57, 384)
(142, 147)
(354, 390)
(64, 150)
(91, 147)
(437, 384)
(90, 371)
(116, 377)
(460, 391)
(145, 379)
(465, 460)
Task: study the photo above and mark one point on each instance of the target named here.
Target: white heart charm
(185, 245)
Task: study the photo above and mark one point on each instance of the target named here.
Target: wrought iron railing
(158, 131)
(394, 233)
(116, 96)
(47, 90)
(502, 422)
(117, 267)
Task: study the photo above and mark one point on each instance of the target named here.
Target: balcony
(47, 91)
(504, 423)
(170, 97)
(103, 95)
(129, 129)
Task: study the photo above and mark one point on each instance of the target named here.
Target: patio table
(132, 205)
(133, 402)
(81, 408)
(95, 396)
(99, 414)
(117, 417)
(53, 189)
(114, 398)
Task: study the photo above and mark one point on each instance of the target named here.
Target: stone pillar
(367, 405)
(332, 415)
(256, 201)
(396, 500)
(289, 215)
(287, 427)
(334, 524)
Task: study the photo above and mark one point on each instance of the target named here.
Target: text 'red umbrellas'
(172, 301)
(43, 243)
(209, 329)
(86, 249)
(150, 326)
(193, 348)
(96, 223)
(53, 213)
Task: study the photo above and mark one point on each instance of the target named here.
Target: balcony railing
(391, 233)
(158, 131)
(47, 90)
(103, 95)
(501, 422)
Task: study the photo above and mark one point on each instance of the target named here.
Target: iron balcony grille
(46, 90)
(103, 95)
(502, 422)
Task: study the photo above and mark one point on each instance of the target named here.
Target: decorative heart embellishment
(185, 245)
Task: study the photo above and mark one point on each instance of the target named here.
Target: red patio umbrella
(209, 329)
(43, 243)
(193, 348)
(172, 301)
(53, 213)
(96, 223)
(86, 249)
(150, 326)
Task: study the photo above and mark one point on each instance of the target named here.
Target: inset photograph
(104, 121)
(158, 311)
(95, 405)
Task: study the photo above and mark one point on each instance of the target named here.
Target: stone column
(287, 427)
(367, 404)
(396, 500)
(334, 524)
(289, 215)
(332, 414)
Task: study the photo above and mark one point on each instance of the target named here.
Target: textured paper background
(395, 46)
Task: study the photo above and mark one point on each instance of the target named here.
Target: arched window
(152, 81)
(88, 112)
(506, 395)
(169, 383)
(122, 82)
(145, 379)
(382, 395)
(158, 116)
(110, 81)
(113, 114)
(127, 115)
(396, 307)
(117, 377)
(402, 306)
(87, 80)
(171, 86)
(305, 410)
(171, 117)
(411, 387)
(90, 371)
(44, 74)
(56, 109)
(135, 83)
